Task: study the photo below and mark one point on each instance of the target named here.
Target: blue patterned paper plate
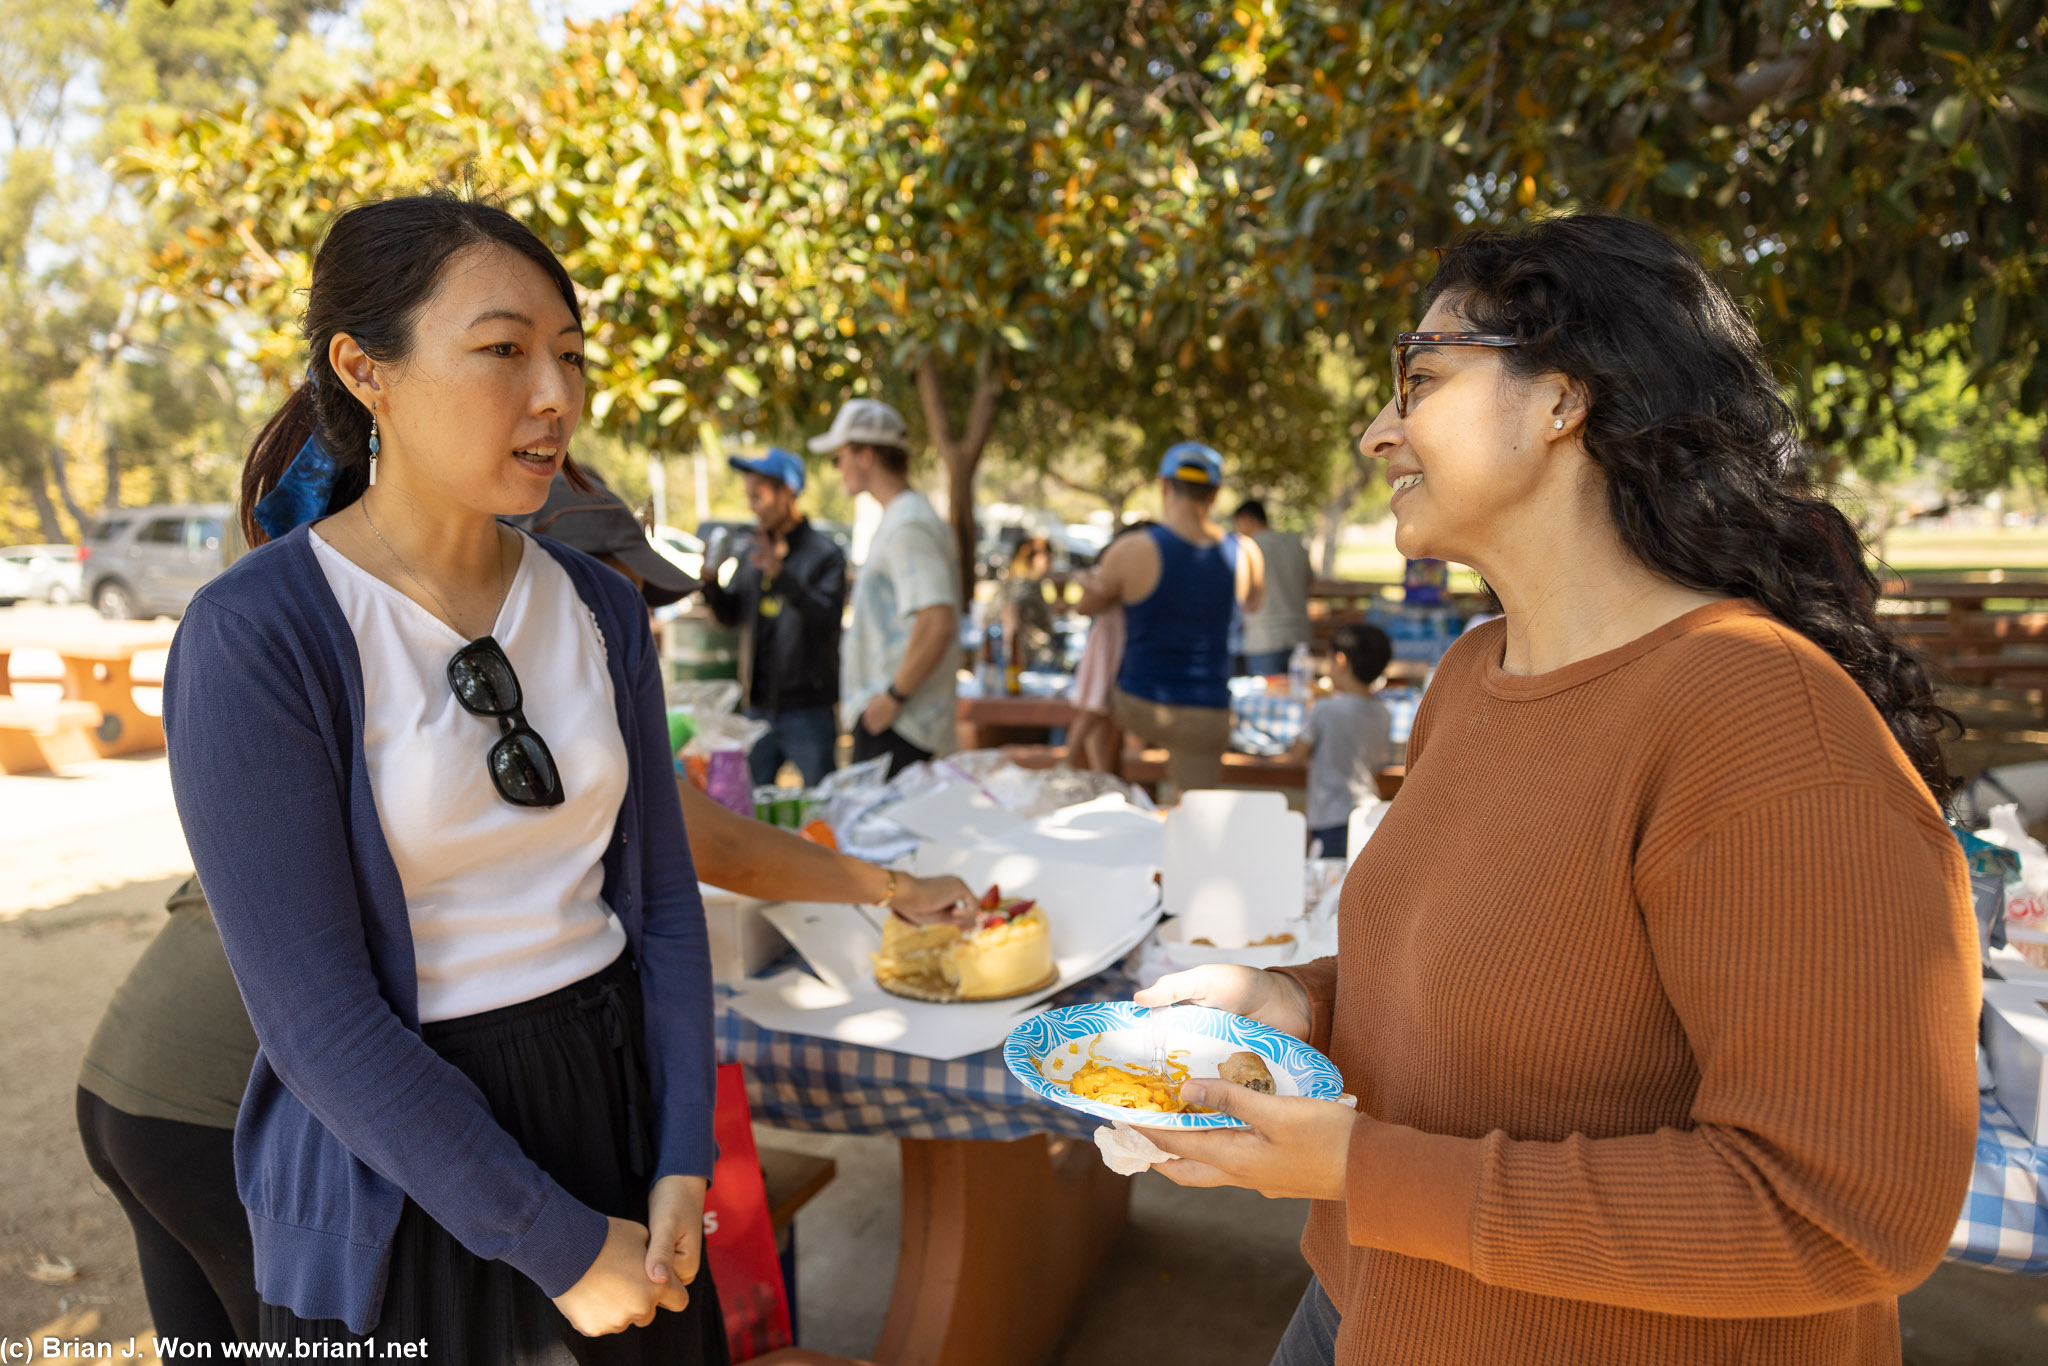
(1045, 1048)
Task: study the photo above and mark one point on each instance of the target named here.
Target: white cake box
(2010, 966)
(742, 939)
(2016, 1041)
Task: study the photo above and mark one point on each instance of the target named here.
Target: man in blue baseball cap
(1177, 585)
(786, 590)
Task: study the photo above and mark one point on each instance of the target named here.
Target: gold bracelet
(889, 892)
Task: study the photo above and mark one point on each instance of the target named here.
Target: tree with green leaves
(1870, 171)
(1044, 220)
(101, 364)
(777, 209)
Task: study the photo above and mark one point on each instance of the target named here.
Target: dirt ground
(57, 968)
(1202, 1277)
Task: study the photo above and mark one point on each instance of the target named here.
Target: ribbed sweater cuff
(1410, 1192)
(562, 1244)
(1319, 980)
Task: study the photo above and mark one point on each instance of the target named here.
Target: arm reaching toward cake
(754, 858)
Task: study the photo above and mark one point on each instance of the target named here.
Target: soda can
(766, 798)
(789, 809)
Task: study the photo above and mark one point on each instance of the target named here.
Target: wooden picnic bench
(36, 737)
(98, 658)
(1950, 621)
(987, 722)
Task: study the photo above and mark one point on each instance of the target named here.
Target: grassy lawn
(1915, 549)
(1911, 550)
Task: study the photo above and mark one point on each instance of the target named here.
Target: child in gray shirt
(1348, 739)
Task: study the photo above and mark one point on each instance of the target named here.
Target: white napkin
(1127, 1152)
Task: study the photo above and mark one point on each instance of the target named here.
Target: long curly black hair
(1705, 475)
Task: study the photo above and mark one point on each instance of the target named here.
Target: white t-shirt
(909, 567)
(1281, 622)
(504, 900)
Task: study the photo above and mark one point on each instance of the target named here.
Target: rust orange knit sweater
(1660, 982)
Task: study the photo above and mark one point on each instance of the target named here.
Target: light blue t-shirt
(910, 567)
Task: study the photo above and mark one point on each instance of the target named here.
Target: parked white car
(41, 573)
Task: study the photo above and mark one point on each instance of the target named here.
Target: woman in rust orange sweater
(1657, 987)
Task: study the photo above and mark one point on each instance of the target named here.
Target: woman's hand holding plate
(1294, 1149)
(1271, 998)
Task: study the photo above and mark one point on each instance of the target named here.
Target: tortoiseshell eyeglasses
(1407, 339)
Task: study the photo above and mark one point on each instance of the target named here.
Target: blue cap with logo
(1190, 462)
(786, 467)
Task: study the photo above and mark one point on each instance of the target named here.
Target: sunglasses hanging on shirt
(521, 767)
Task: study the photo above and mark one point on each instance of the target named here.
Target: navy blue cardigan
(348, 1111)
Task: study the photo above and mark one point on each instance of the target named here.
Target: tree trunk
(110, 357)
(46, 511)
(60, 474)
(112, 456)
(961, 454)
(1330, 518)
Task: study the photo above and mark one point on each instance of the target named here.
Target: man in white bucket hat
(902, 649)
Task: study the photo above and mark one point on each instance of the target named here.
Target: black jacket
(789, 653)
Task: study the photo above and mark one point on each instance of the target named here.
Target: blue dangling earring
(374, 445)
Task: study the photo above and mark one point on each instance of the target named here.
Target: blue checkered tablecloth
(2005, 1216)
(799, 1082)
(1267, 723)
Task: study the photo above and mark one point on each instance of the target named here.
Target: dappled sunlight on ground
(94, 827)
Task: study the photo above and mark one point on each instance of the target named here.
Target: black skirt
(565, 1075)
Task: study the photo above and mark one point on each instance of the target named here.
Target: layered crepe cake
(1006, 952)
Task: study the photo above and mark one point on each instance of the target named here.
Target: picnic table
(1007, 1207)
(1263, 726)
(1950, 619)
(985, 722)
(98, 659)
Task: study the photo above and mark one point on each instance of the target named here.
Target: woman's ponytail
(271, 454)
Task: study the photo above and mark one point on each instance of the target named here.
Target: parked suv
(148, 562)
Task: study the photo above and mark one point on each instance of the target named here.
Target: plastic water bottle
(992, 661)
(1301, 672)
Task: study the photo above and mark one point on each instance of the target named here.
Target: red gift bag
(738, 1239)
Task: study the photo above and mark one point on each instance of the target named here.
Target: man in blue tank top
(1177, 584)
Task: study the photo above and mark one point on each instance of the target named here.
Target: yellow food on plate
(1131, 1086)
(1007, 951)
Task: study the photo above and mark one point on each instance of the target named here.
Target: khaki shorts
(1194, 737)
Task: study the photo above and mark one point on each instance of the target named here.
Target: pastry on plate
(1248, 1070)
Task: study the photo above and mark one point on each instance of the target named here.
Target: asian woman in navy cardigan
(422, 764)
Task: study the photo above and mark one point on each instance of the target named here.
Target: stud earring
(374, 446)
(1557, 423)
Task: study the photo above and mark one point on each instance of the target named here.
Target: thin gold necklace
(364, 504)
